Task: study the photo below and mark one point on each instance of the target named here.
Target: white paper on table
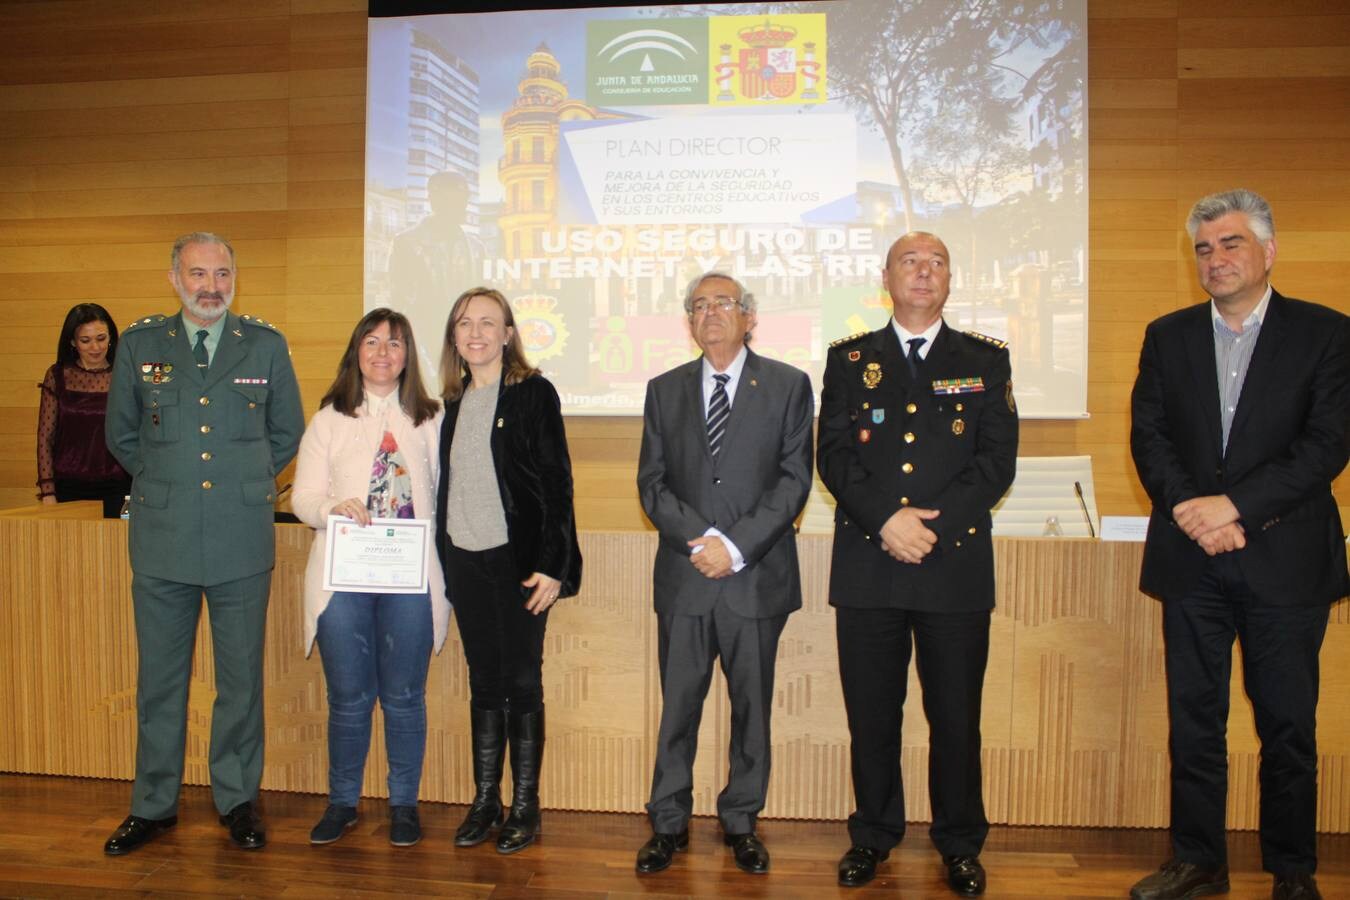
(1124, 528)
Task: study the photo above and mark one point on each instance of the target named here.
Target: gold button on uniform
(907, 468)
(904, 501)
(205, 401)
(960, 407)
(972, 530)
(909, 437)
(206, 429)
(911, 408)
(206, 485)
(207, 456)
(252, 405)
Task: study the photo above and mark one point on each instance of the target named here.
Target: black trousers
(952, 651)
(1280, 645)
(503, 641)
(111, 493)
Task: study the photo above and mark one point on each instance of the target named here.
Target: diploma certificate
(388, 556)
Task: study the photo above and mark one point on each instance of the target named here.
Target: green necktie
(199, 350)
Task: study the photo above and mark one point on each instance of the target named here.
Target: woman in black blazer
(506, 535)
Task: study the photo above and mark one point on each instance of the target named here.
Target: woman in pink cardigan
(371, 452)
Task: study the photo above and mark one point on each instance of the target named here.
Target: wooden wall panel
(114, 139)
(1074, 716)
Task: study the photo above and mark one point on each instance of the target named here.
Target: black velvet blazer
(534, 477)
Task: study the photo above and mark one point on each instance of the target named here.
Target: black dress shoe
(1295, 887)
(1178, 880)
(134, 832)
(750, 854)
(859, 865)
(965, 875)
(656, 854)
(246, 828)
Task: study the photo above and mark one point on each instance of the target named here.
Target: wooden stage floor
(52, 832)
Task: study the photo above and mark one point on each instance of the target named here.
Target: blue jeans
(376, 645)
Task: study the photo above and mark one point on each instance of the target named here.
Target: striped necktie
(719, 408)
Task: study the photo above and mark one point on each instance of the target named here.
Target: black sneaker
(335, 822)
(404, 829)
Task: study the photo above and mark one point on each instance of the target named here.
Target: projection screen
(590, 162)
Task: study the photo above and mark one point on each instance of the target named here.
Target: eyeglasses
(704, 305)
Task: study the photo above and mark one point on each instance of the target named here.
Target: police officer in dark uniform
(918, 441)
(203, 411)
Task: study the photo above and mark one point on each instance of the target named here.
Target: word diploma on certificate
(388, 556)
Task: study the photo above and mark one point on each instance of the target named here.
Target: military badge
(878, 416)
(864, 435)
(872, 375)
(958, 427)
(854, 355)
(156, 373)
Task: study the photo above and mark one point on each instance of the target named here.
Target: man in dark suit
(1241, 420)
(725, 468)
(203, 412)
(918, 441)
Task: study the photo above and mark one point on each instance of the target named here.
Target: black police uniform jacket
(946, 441)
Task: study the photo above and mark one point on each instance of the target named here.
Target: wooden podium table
(1074, 718)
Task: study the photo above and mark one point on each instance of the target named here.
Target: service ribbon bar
(958, 385)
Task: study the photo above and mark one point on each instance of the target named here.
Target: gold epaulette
(148, 320)
(254, 320)
(852, 337)
(991, 341)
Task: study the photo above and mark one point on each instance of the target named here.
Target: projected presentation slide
(590, 162)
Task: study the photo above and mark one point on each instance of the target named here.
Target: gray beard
(195, 307)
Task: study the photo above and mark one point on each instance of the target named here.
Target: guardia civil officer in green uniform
(918, 441)
(203, 411)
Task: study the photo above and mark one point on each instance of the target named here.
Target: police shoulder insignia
(852, 337)
(992, 341)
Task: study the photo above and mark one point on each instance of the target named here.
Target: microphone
(1087, 517)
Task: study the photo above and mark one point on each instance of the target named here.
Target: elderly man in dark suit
(918, 441)
(203, 411)
(725, 468)
(1241, 420)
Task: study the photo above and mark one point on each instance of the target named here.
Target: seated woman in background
(506, 534)
(73, 460)
(370, 452)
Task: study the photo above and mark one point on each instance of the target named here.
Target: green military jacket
(203, 446)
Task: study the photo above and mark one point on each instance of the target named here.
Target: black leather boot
(526, 733)
(489, 747)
